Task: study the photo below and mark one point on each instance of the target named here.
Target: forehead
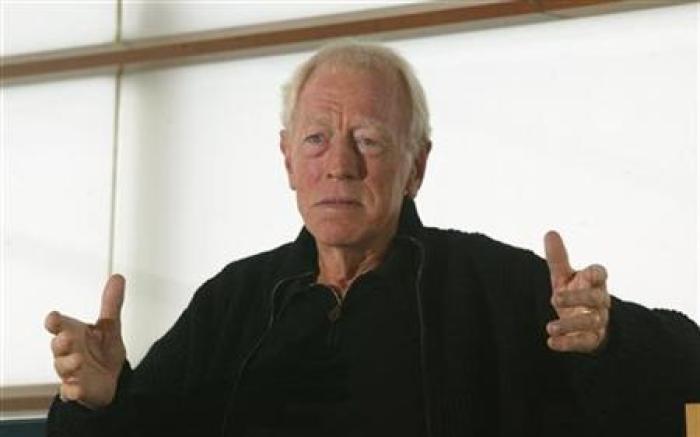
(372, 93)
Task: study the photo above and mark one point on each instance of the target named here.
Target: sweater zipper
(427, 398)
(256, 346)
(334, 315)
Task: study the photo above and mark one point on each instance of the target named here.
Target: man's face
(347, 155)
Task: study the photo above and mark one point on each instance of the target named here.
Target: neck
(340, 266)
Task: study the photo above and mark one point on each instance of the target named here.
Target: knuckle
(61, 343)
(66, 341)
(61, 368)
(56, 346)
(562, 327)
(565, 343)
(558, 302)
(77, 362)
(569, 300)
(592, 340)
(554, 343)
(68, 365)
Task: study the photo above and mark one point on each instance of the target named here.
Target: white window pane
(156, 18)
(31, 26)
(56, 179)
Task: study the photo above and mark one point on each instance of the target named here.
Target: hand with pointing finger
(88, 358)
(580, 299)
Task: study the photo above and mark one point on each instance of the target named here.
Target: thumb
(112, 298)
(557, 259)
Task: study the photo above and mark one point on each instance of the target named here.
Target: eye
(314, 139)
(367, 144)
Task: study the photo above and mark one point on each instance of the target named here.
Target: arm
(632, 368)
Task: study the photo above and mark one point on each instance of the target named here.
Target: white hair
(362, 55)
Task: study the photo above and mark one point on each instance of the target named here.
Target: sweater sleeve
(649, 369)
(71, 419)
(645, 373)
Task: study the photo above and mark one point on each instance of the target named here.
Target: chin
(336, 233)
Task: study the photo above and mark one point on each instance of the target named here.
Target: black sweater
(477, 314)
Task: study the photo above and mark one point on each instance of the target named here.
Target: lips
(339, 201)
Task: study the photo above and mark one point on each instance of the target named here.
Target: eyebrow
(370, 122)
(364, 122)
(375, 124)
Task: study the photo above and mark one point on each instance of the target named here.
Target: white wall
(588, 126)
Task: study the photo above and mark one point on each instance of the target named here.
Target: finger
(112, 298)
(557, 259)
(61, 344)
(55, 323)
(52, 322)
(593, 298)
(582, 342)
(68, 366)
(595, 274)
(590, 321)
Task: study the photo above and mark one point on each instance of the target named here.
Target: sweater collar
(303, 256)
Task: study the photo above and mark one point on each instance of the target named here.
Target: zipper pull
(335, 313)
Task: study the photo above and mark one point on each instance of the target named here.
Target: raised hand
(88, 358)
(580, 299)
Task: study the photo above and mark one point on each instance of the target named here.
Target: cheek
(306, 173)
(389, 183)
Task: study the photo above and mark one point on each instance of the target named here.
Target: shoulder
(262, 263)
(501, 271)
(478, 248)
(244, 278)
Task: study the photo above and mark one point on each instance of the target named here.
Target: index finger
(55, 322)
(557, 259)
(112, 298)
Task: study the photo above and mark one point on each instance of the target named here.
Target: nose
(344, 160)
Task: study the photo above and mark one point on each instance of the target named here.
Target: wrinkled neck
(338, 267)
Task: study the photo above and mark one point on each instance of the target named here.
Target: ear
(286, 149)
(420, 161)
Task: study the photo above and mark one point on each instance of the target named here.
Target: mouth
(339, 202)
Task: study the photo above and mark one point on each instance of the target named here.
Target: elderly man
(369, 323)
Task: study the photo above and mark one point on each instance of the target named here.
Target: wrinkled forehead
(375, 89)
